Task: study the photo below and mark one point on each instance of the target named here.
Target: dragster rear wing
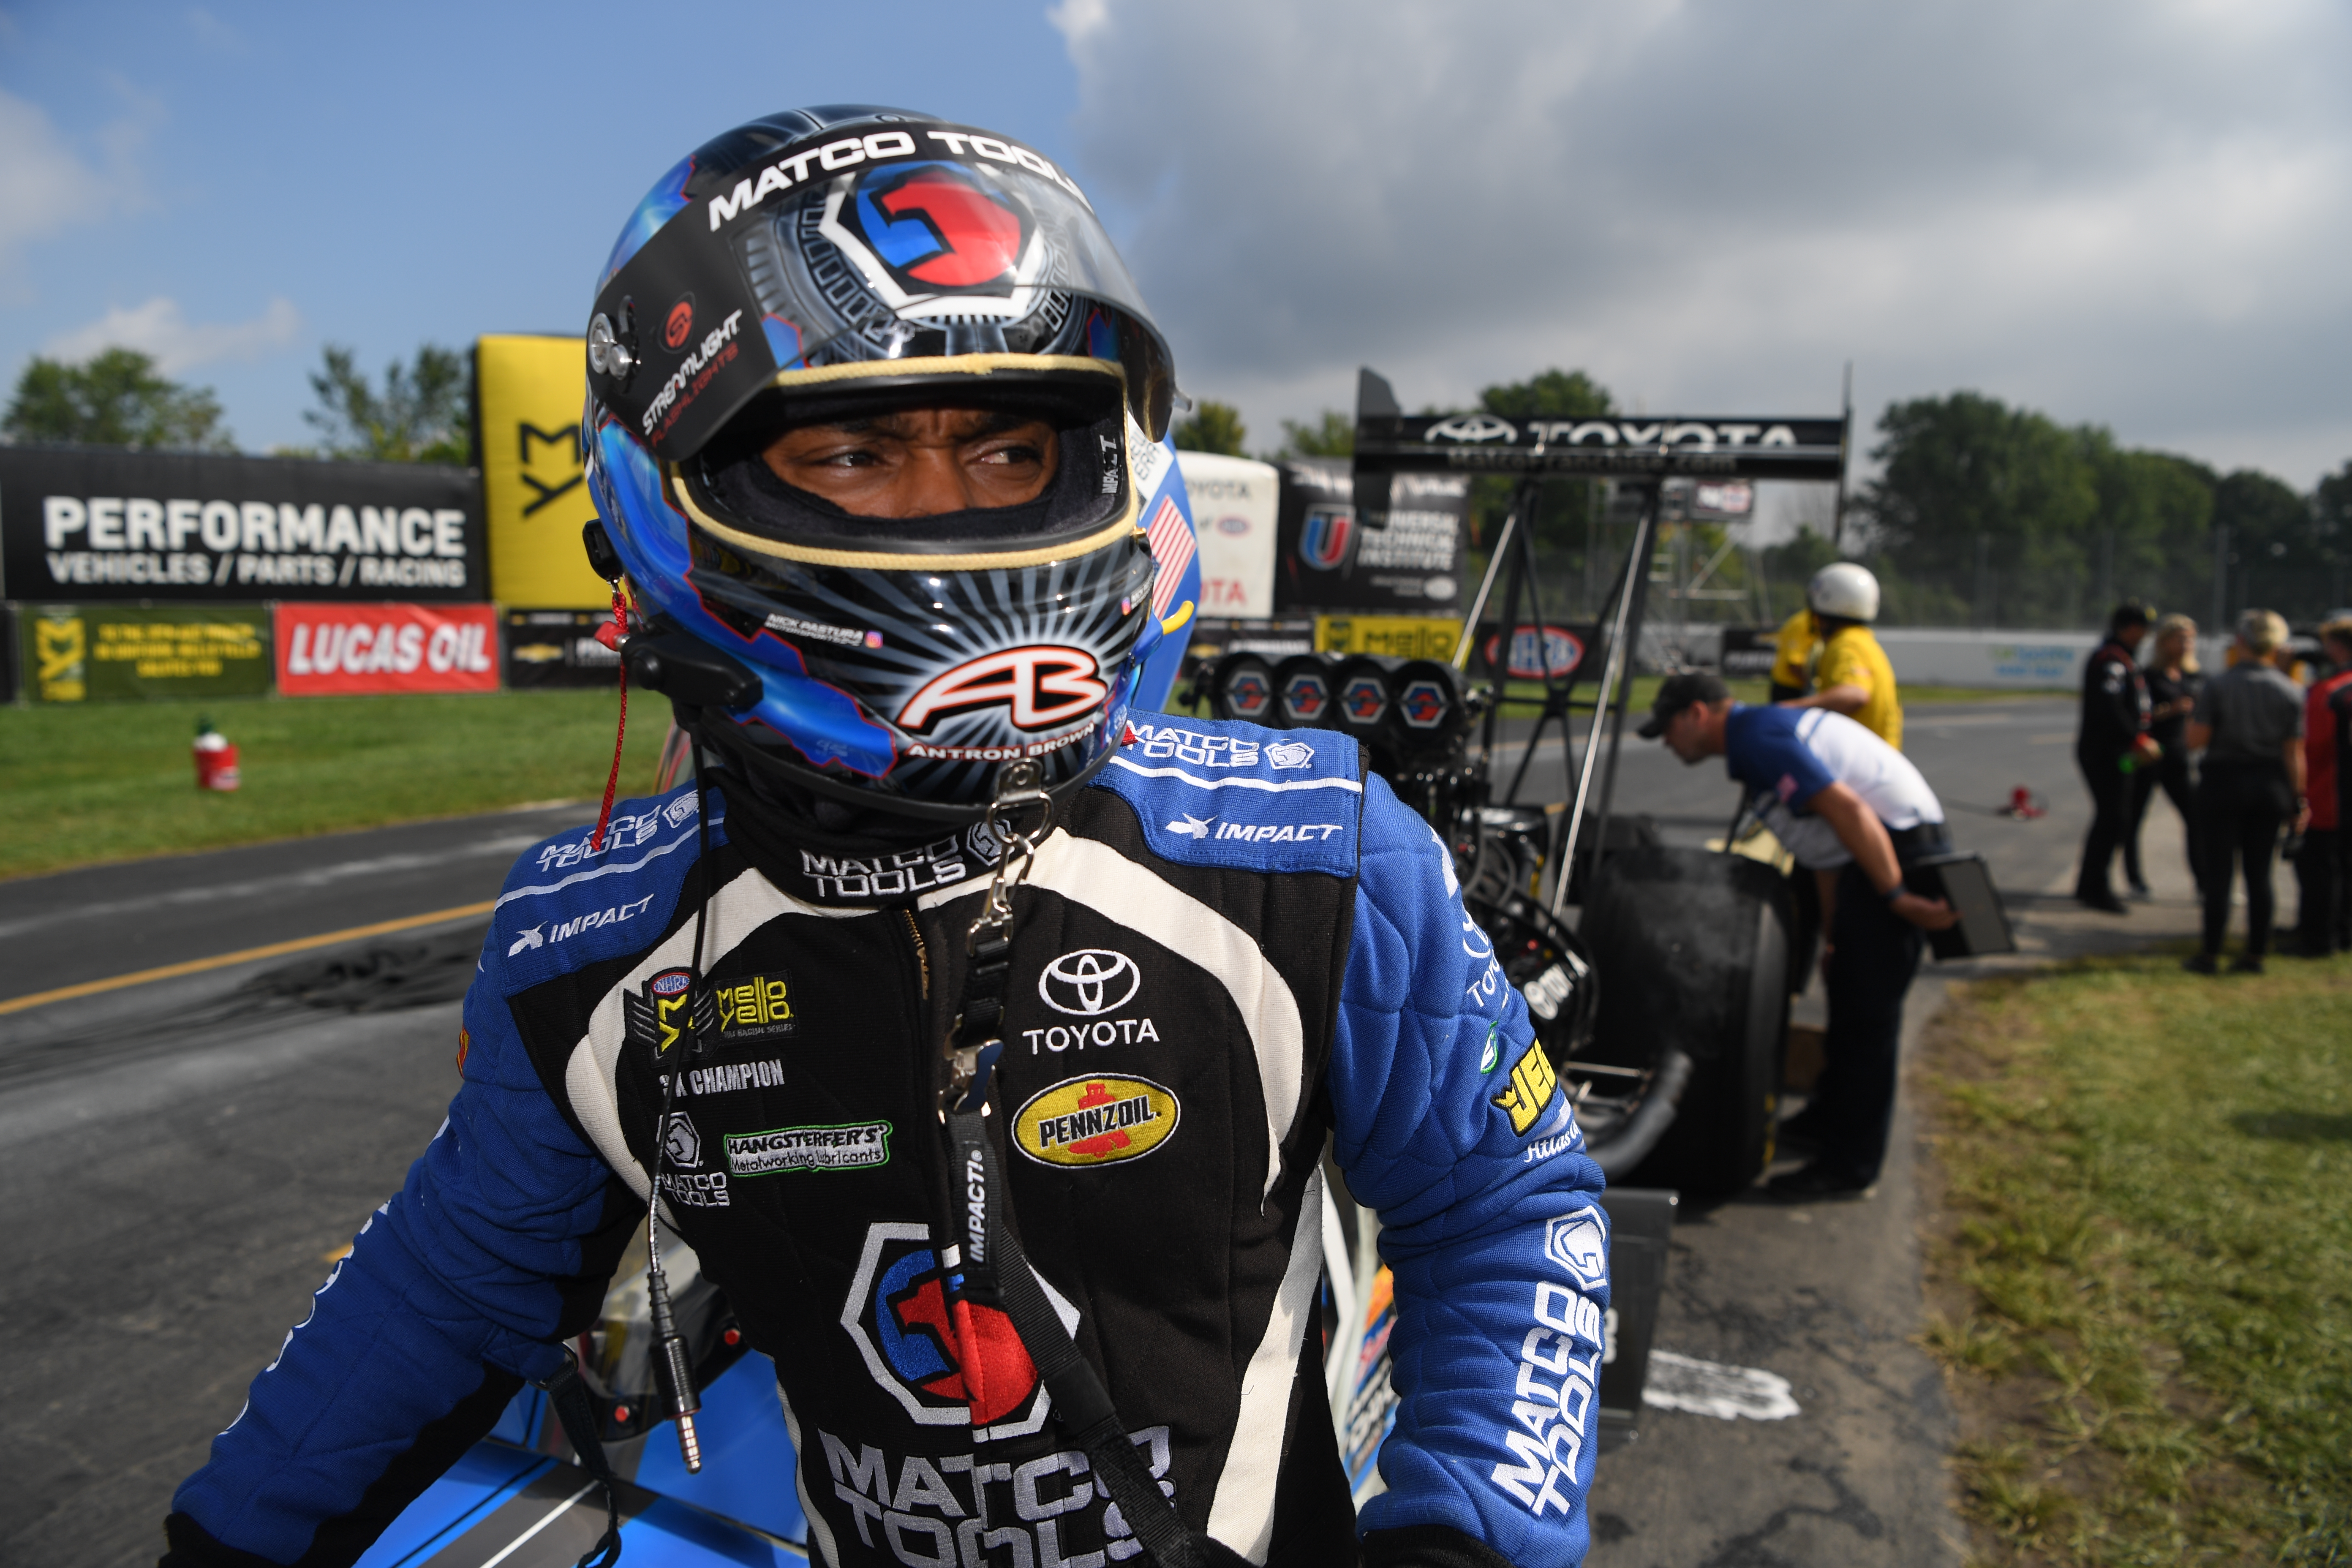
(1646, 446)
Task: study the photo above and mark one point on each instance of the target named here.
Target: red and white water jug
(216, 758)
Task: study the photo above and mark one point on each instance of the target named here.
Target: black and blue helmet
(832, 263)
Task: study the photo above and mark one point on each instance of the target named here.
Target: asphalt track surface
(178, 1162)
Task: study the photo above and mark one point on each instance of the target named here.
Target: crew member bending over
(1855, 812)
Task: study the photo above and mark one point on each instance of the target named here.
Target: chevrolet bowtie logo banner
(534, 490)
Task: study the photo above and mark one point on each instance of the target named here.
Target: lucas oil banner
(364, 649)
(112, 653)
(1326, 559)
(534, 490)
(108, 523)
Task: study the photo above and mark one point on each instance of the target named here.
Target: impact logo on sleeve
(661, 1015)
(755, 1008)
(1096, 1121)
(1532, 1086)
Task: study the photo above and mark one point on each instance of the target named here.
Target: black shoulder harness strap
(995, 1271)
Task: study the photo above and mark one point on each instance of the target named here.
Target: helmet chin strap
(763, 770)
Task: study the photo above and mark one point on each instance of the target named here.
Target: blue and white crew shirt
(1785, 756)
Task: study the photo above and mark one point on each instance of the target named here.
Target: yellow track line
(198, 965)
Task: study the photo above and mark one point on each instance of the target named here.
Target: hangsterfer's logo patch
(1532, 1082)
(1096, 1121)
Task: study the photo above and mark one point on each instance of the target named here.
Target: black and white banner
(93, 524)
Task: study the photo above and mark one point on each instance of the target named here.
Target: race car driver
(1854, 811)
(981, 1033)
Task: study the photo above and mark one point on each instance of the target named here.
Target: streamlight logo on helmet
(948, 1362)
(1323, 537)
(919, 231)
(678, 325)
(1040, 686)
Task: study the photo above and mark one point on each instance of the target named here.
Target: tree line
(1982, 514)
(420, 411)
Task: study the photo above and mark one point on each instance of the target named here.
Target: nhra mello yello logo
(755, 1007)
(1096, 1121)
(1532, 1082)
(661, 1014)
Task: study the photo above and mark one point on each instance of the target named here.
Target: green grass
(114, 781)
(2149, 1261)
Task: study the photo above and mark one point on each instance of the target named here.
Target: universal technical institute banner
(89, 523)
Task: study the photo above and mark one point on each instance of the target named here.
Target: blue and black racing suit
(1232, 944)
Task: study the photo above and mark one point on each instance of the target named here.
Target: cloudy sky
(2136, 213)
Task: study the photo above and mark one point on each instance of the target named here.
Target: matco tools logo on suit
(1096, 1121)
(1579, 1242)
(946, 1361)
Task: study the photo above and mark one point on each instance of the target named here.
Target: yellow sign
(60, 647)
(1532, 1082)
(1405, 636)
(534, 490)
(1096, 1121)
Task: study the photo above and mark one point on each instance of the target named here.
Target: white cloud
(160, 328)
(2122, 212)
(44, 185)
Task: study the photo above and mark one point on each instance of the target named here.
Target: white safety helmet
(1843, 590)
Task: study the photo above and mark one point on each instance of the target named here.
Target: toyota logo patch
(1091, 981)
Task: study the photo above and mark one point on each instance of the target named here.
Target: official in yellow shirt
(1793, 663)
(1853, 676)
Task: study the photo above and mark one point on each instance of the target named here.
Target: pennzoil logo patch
(1532, 1082)
(1095, 1120)
(755, 1008)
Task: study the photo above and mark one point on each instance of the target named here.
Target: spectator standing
(2248, 724)
(2323, 871)
(2173, 683)
(1793, 647)
(2111, 740)
(1851, 676)
(1853, 812)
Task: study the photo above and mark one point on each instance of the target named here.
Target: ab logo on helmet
(1043, 685)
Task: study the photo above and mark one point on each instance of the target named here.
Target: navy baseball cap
(1678, 692)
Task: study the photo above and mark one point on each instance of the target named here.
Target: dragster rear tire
(1693, 951)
